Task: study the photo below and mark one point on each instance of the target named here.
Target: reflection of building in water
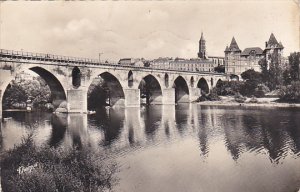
(244, 132)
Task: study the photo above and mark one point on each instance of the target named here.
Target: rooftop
(233, 46)
(273, 43)
(248, 50)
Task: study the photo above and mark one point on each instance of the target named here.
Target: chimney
(266, 44)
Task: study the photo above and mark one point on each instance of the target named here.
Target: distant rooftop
(248, 50)
(273, 43)
(233, 46)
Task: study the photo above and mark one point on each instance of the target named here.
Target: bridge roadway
(70, 77)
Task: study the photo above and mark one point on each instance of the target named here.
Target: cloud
(74, 30)
(145, 29)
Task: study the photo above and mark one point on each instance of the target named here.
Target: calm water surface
(180, 148)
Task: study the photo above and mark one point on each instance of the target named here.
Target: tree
(294, 62)
(20, 90)
(272, 72)
(286, 75)
(290, 93)
(251, 75)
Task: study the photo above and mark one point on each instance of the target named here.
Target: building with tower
(202, 48)
(238, 61)
(273, 47)
(202, 55)
(202, 63)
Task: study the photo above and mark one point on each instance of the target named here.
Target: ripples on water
(180, 148)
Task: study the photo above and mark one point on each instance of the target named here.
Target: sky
(145, 29)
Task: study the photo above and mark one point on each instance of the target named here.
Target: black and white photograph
(150, 96)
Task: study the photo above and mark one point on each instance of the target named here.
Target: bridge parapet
(48, 59)
(57, 71)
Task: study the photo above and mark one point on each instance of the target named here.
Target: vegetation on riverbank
(23, 89)
(274, 80)
(28, 167)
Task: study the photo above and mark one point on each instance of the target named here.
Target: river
(179, 148)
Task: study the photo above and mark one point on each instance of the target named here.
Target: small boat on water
(7, 118)
(91, 112)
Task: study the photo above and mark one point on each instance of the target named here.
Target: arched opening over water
(76, 77)
(203, 85)
(192, 82)
(150, 90)
(105, 90)
(219, 83)
(130, 79)
(181, 90)
(30, 91)
(166, 80)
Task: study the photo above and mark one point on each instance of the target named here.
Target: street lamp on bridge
(100, 57)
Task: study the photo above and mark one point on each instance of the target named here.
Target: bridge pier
(168, 96)
(0, 106)
(195, 93)
(77, 100)
(132, 97)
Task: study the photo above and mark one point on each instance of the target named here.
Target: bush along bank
(27, 167)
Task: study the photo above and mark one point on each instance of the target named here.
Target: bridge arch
(203, 85)
(192, 81)
(57, 89)
(181, 90)
(105, 90)
(150, 90)
(219, 83)
(130, 79)
(76, 77)
(166, 80)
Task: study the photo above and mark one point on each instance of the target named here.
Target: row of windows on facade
(190, 65)
(184, 66)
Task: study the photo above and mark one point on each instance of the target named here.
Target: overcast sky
(145, 29)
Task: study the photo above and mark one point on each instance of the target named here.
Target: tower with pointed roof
(237, 61)
(273, 47)
(232, 57)
(202, 48)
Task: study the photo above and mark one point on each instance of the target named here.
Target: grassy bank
(28, 167)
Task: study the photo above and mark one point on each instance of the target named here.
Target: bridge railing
(82, 61)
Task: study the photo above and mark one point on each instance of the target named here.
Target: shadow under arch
(181, 90)
(105, 90)
(76, 77)
(150, 90)
(219, 83)
(203, 85)
(58, 93)
(130, 79)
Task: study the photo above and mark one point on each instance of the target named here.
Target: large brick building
(203, 63)
(237, 61)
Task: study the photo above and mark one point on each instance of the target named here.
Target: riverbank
(261, 102)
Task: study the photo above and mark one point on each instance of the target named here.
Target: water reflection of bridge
(125, 129)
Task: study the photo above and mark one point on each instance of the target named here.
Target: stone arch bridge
(69, 79)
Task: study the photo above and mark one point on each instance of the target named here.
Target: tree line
(276, 77)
